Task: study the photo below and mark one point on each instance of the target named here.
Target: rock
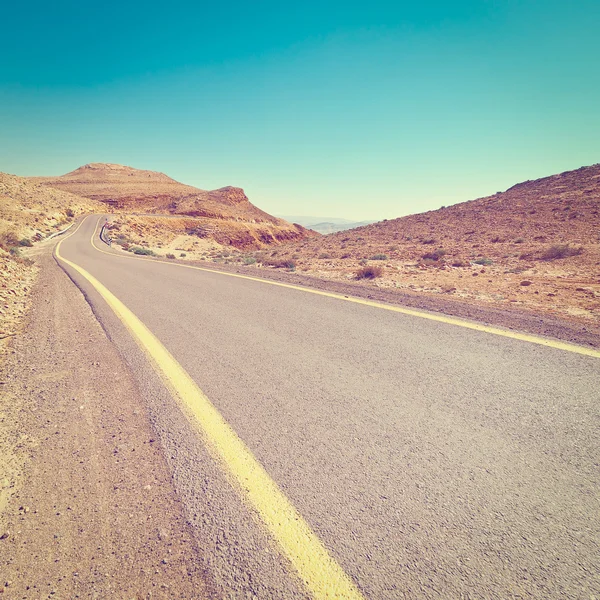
(525, 283)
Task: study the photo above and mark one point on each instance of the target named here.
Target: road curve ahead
(331, 449)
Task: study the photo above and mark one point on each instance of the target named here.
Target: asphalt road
(431, 460)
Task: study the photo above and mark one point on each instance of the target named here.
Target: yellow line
(524, 337)
(319, 571)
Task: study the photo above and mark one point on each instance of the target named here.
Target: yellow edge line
(319, 571)
(524, 337)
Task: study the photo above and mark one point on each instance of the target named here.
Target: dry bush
(8, 239)
(434, 255)
(369, 272)
(283, 263)
(561, 251)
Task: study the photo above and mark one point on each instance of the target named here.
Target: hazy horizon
(363, 111)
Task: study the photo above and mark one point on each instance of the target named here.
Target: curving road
(429, 459)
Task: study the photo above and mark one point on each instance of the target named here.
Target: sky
(360, 110)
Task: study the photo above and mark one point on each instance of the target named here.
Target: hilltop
(536, 245)
(224, 216)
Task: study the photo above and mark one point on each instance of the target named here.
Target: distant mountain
(325, 225)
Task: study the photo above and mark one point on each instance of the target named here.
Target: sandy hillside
(197, 219)
(536, 245)
(29, 213)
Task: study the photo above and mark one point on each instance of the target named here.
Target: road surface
(426, 459)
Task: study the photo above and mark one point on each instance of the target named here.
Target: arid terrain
(535, 246)
(29, 213)
(142, 199)
(109, 481)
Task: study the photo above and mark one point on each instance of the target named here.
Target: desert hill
(536, 244)
(136, 190)
(224, 216)
(29, 212)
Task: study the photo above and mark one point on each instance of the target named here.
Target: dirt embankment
(29, 213)
(87, 506)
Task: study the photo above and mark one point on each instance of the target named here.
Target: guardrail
(60, 232)
(103, 235)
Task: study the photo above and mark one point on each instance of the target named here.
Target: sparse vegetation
(483, 261)
(8, 239)
(169, 255)
(561, 251)
(436, 255)
(284, 263)
(249, 260)
(369, 272)
(380, 257)
(428, 241)
(324, 255)
(142, 251)
(25, 242)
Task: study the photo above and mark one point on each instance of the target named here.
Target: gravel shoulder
(573, 330)
(87, 505)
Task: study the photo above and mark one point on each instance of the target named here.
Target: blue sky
(357, 110)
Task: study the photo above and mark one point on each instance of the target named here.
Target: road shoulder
(87, 505)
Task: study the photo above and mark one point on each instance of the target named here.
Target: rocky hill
(536, 244)
(29, 212)
(134, 190)
(224, 215)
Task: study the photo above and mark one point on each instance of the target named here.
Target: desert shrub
(519, 241)
(25, 242)
(324, 255)
(436, 255)
(561, 251)
(287, 264)
(169, 255)
(369, 272)
(69, 212)
(249, 260)
(8, 239)
(458, 263)
(483, 261)
(283, 263)
(428, 241)
(346, 255)
(14, 251)
(496, 240)
(380, 257)
(183, 255)
(142, 251)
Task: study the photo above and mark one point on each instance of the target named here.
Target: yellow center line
(524, 337)
(320, 572)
